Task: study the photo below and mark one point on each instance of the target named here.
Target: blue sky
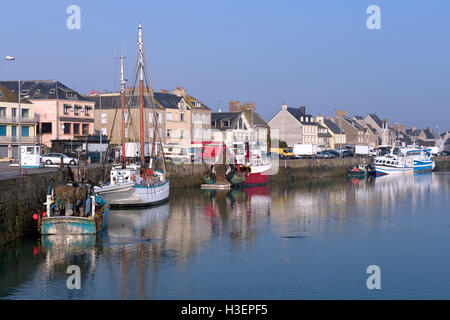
(314, 53)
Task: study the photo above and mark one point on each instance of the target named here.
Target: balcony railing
(15, 139)
(5, 119)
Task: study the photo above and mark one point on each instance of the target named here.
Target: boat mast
(122, 94)
(141, 93)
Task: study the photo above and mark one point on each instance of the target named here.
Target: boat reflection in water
(285, 241)
(137, 223)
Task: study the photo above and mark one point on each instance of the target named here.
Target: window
(25, 131)
(159, 118)
(87, 110)
(150, 132)
(67, 128)
(67, 108)
(181, 133)
(46, 127)
(52, 91)
(76, 128)
(85, 129)
(2, 130)
(103, 118)
(77, 109)
(71, 95)
(181, 116)
(150, 117)
(37, 92)
(103, 131)
(169, 116)
(2, 112)
(182, 105)
(126, 117)
(14, 113)
(204, 118)
(168, 133)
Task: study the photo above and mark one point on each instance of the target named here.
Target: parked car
(347, 154)
(445, 153)
(322, 154)
(333, 153)
(55, 158)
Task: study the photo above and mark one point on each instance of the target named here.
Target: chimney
(234, 106)
(429, 129)
(403, 128)
(250, 106)
(180, 91)
(164, 91)
(340, 113)
(284, 106)
(303, 109)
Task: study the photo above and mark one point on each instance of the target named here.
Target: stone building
(295, 126)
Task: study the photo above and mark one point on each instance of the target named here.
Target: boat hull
(420, 167)
(140, 196)
(63, 225)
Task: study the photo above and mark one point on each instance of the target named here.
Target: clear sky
(314, 53)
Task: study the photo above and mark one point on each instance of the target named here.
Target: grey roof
(298, 114)
(358, 118)
(7, 95)
(252, 117)
(44, 90)
(354, 123)
(372, 128)
(333, 127)
(447, 142)
(167, 100)
(218, 117)
(429, 134)
(114, 101)
(376, 119)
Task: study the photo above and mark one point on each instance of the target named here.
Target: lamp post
(9, 58)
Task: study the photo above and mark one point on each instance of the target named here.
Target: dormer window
(301, 118)
(182, 105)
(225, 123)
(197, 104)
(71, 95)
(37, 92)
(52, 91)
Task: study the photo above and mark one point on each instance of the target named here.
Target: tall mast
(141, 92)
(122, 94)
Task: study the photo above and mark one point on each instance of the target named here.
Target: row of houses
(296, 126)
(61, 119)
(56, 116)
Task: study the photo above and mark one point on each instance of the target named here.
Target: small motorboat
(72, 209)
(360, 171)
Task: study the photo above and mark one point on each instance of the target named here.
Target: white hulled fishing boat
(138, 184)
(412, 161)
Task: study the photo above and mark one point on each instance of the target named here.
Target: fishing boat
(361, 171)
(251, 170)
(411, 161)
(138, 184)
(72, 209)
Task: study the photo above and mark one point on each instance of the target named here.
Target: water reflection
(178, 249)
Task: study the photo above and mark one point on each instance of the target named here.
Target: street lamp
(9, 58)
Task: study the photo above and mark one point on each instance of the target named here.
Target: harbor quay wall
(294, 171)
(21, 197)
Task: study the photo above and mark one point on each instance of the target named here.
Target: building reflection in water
(140, 245)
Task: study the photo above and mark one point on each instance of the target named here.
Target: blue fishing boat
(411, 161)
(72, 209)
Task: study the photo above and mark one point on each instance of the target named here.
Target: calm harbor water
(278, 242)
